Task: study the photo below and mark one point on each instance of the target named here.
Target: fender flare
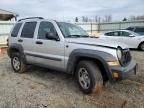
(103, 57)
(17, 47)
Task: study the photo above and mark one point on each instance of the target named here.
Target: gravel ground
(43, 88)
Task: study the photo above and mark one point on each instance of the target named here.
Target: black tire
(22, 66)
(94, 74)
(141, 46)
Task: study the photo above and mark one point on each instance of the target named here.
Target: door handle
(38, 42)
(20, 40)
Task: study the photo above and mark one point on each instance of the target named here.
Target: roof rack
(31, 18)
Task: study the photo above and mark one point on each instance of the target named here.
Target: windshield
(71, 30)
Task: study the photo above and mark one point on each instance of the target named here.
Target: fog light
(115, 75)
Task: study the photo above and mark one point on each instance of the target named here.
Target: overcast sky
(63, 9)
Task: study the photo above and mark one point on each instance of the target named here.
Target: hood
(96, 41)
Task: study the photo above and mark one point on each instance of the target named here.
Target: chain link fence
(92, 28)
(96, 28)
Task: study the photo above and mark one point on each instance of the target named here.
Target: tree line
(106, 18)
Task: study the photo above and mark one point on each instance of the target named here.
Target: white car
(132, 39)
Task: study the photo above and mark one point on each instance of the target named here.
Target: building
(7, 15)
(7, 19)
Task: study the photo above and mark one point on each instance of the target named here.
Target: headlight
(119, 53)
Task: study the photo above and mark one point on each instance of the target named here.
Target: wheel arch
(99, 57)
(140, 44)
(16, 48)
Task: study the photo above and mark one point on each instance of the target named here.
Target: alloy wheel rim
(84, 79)
(16, 63)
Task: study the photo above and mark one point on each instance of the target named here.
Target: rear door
(26, 39)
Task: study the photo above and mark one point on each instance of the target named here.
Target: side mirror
(131, 35)
(52, 36)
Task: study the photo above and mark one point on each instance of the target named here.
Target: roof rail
(31, 18)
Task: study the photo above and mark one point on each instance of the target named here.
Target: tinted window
(44, 28)
(16, 30)
(139, 30)
(28, 30)
(109, 34)
(123, 33)
(116, 33)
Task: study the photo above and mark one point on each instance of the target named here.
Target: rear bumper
(124, 72)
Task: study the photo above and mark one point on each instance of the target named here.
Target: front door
(113, 36)
(48, 52)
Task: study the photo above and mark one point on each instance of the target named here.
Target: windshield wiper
(77, 36)
(73, 36)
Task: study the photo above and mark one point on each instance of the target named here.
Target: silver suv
(68, 48)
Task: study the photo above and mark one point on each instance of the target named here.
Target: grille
(126, 57)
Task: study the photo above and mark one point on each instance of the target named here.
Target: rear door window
(28, 30)
(16, 29)
(126, 34)
(116, 33)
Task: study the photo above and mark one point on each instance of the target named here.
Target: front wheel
(141, 46)
(89, 77)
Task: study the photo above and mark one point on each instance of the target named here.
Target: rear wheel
(17, 63)
(89, 77)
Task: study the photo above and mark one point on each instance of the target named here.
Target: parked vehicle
(137, 29)
(132, 39)
(68, 48)
(3, 40)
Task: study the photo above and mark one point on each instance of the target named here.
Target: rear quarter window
(16, 29)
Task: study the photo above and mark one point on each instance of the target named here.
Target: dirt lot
(43, 88)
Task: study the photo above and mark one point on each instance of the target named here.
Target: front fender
(103, 57)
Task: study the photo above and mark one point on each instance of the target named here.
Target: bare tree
(125, 19)
(76, 19)
(96, 18)
(133, 18)
(107, 18)
(85, 19)
(99, 19)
